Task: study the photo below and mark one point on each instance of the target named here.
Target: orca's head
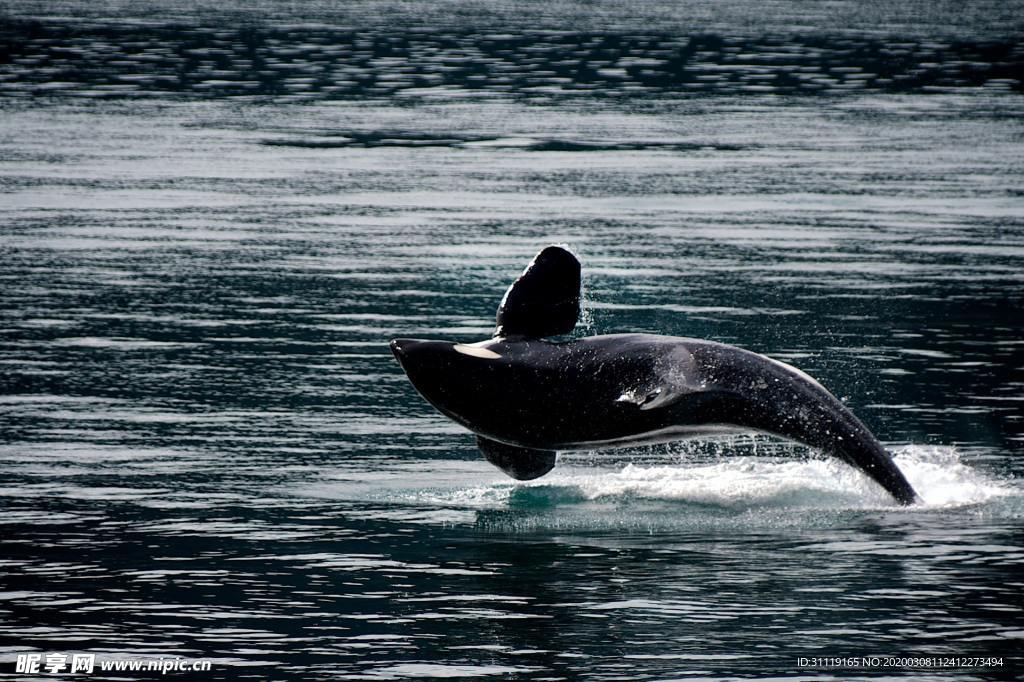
(467, 381)
(449, 375)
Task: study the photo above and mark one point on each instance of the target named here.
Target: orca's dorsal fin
(545, 300)
(522, 464)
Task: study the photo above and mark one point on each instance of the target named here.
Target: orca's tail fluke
(900, 487)
(868, 455)
(830, 426)
(846, 437)
(770, 396)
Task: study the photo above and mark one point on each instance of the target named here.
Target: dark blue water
(213, 219)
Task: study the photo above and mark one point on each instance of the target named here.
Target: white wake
(937, 473)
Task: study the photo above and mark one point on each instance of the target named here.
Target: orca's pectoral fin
(679, 378)
(545, 300)
(523, 464)
(660, 397)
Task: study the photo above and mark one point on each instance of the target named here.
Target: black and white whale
(526, 398)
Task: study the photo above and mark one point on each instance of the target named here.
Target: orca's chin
(405, 349)
(427, 364)
(411, 362)
(398, 348)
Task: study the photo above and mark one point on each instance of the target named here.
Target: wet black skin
(616, 390)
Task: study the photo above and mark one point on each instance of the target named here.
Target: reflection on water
(102, 60)
(209, 452)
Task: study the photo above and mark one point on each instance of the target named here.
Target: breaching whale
(526, 398)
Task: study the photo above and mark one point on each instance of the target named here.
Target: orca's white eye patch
(476, 351)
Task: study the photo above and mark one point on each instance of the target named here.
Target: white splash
(937, 473)
(693, 489)
(941, 479)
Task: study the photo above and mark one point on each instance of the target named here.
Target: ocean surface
(214, 217)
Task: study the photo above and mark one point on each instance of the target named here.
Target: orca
(526, 397)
